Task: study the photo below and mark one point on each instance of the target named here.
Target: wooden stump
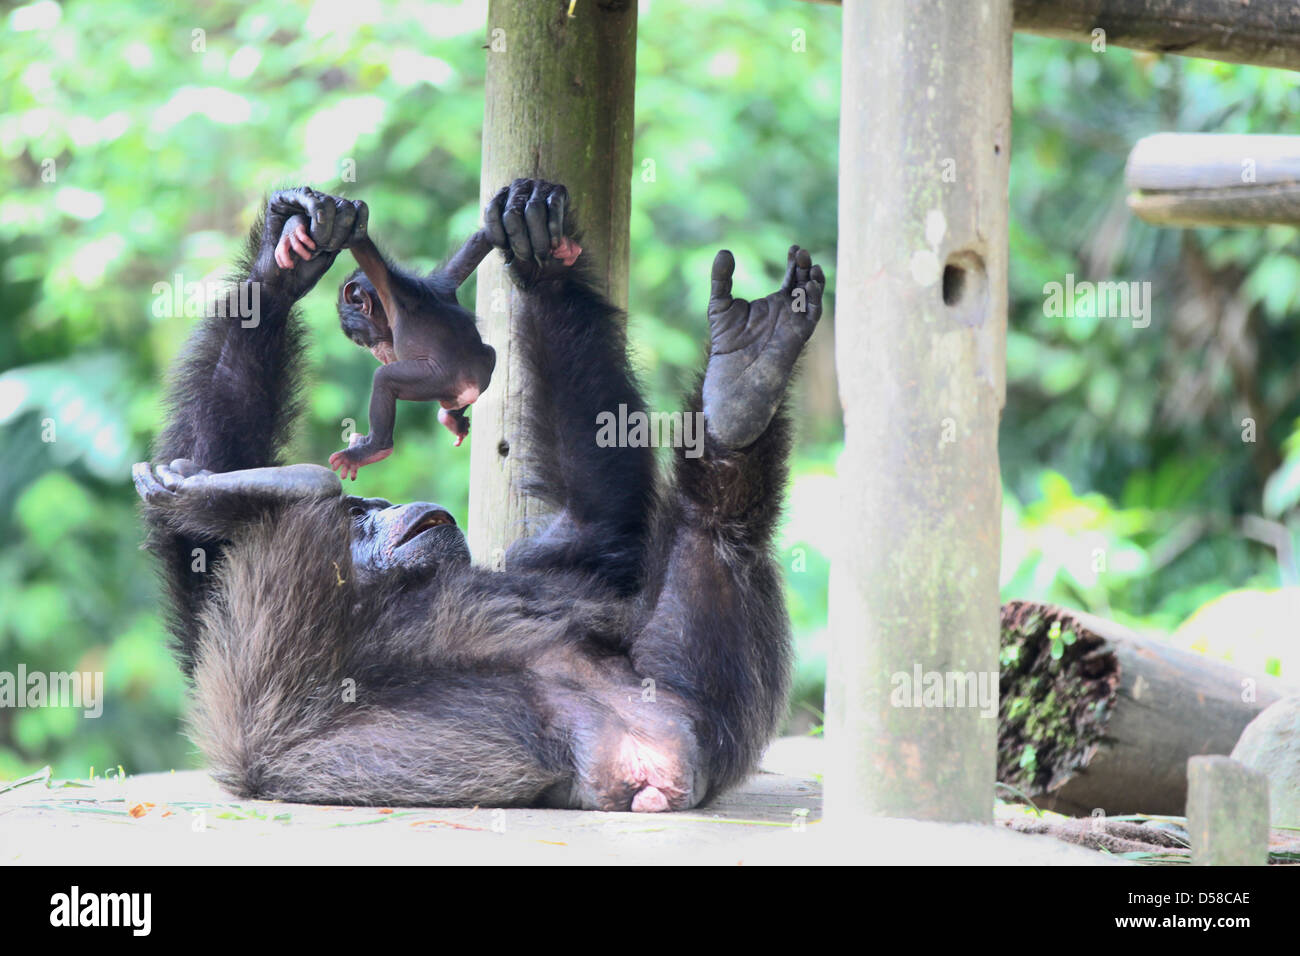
(1227, 813)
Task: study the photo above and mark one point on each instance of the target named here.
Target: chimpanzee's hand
(753, 346)
(183, 485)
(529, 223)
(304, 231)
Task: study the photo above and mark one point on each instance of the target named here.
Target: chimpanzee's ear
(353, 293)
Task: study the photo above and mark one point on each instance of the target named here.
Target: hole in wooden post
(503, 448)
(966, 288)
(954, 282)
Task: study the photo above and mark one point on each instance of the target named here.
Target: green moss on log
(1058, 685)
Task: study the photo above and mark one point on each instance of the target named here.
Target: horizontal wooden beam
(1210, 179)
(1258, 32)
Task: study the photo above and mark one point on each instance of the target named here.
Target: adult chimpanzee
(634, 655)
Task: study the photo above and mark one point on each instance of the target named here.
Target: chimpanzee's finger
(299, 246)
(492, 225)
(724, 266)
(535, 219)
(816, 286)
(361, 225)
(556, 204)
(802, 263)
(185, 467)
(170, 479)
(513, 219)
(819, 277)
(318, 208)
(284, 248)
(787, 284)
(322, 215)
(345, 216)
(146, 485)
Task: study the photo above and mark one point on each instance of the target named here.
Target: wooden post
(1215, 179)
(559, 98)
(920, 351)
(1227, 813)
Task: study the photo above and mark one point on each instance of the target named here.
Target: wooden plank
(1210, 179)
(920, 331)
(1259, 206)
(1169, 161)
(559, 99)
(1259, 32)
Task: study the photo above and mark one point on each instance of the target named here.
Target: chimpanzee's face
(418, 537)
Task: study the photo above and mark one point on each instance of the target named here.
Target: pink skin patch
(656, 773)
(649, 800)
(452, 424)
(298, 241)
(468, 396)
(384, 353)
(567, 251)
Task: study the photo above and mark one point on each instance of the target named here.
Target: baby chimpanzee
(427, 342)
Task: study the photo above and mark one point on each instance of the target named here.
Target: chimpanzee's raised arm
(232, 399)
(573, 342)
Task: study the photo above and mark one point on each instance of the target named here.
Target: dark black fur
(525, 686)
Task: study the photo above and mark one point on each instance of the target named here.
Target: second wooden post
(920, 352)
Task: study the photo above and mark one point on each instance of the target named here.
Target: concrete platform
(185, 818)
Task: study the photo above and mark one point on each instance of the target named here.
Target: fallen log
(1094, 716)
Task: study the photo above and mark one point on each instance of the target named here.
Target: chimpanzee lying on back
(634, 655)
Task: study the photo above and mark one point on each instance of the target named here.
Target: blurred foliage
(1148, 470)
(135, 148)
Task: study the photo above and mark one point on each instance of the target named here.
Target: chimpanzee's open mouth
(434, 519)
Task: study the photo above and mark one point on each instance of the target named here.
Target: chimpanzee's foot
(753, 347)
(454, 420)
(353, 458)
